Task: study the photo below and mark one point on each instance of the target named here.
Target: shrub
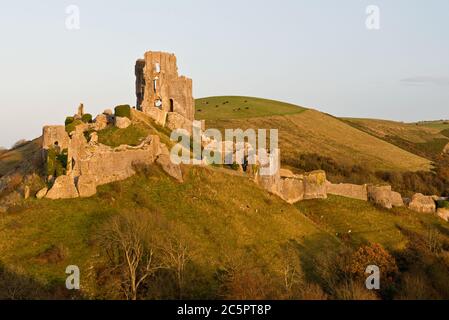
(56, 162)
(71, 126)
(123, 111)
(245, 283)
(443, 204)
(373, 254)
(415, 286)
(312, 291)
(69, 120)
(114, 137)
(353, 290)
(86, 118)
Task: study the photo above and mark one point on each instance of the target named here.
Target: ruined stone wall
(91, 165)
(52, 135)
(158, 85)
(294, 187)
(105, 165)
(348, 190)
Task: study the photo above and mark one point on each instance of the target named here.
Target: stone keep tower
(158, 85)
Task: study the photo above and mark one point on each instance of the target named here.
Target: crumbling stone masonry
(55, 136)
(91, 164)
(162, 93)
(348, 190)
(292, 187)
(423, 204)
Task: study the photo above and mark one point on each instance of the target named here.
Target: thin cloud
(426, 80)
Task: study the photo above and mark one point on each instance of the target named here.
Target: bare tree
(130, 249)
(176, 255)
(290, 268)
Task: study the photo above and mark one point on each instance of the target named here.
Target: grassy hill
(224, 217)
(427, 140)
(11, 159)
(309, 131)
(437, 124)
(229, 224)
(234, 107)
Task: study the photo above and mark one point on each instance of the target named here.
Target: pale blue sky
(313, 53)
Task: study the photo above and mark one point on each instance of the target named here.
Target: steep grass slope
(361, 222)
(224, 217)
(311, 131)
(11, 159)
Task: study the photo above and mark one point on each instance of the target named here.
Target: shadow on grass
(17, 286)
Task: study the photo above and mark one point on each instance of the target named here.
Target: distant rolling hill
(305, 131)
(436, 124)
(426, 139)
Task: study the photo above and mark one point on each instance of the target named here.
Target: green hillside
(437, 124)
(229, 225)
(11, 159)
(225, 219)
(237, 240)
(425, 139)
(309, 132)
(234, 107)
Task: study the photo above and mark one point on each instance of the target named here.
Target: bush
(123, 111)
(86, 118)
(415, 286)
(443, 204)
(56, 162)
(71, 126)
(69, 120)
(373, 254)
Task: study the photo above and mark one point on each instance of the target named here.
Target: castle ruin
(162, 93)
(166, 98)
